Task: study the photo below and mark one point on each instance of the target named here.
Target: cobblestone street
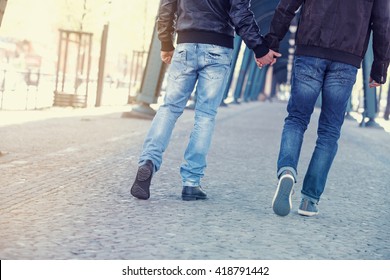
(65, 192)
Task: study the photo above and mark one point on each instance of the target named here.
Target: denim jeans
(311, 76)
(206, 66)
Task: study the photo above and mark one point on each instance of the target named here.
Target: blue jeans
(207, 67)
(311, 76)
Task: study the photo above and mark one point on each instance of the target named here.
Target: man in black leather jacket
(205, 33)
(331, 41)
(209, 22)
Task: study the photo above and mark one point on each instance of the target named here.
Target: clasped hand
(268, 59)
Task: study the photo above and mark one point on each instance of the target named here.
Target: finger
(277, 54)
(372, 85)
(266, 60)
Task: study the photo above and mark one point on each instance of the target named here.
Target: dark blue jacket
(338, 30)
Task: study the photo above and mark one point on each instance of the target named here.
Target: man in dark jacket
(205, 34)
(331, 41)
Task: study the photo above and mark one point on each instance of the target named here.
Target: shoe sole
(192, 197)
(281, 203)
(307, 213)
(140, 188)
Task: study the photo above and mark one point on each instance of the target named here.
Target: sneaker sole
(192, 197)
(307, 213)
(140, 188)
(281, 203)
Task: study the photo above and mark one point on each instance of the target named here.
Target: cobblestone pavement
(65, 192)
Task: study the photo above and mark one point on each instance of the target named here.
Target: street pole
(102, 62)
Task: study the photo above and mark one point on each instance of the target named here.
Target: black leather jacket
(209, 22)
(337, 30)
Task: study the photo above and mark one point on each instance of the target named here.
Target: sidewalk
(65, 192)
(10, 117)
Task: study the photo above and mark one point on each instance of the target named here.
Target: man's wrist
(260, 50)
(167, 46)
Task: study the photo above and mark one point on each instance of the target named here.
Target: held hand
(373, 83)
(275, 56)
(166, 57)
(269, 58)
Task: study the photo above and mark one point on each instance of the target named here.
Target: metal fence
(31, 89)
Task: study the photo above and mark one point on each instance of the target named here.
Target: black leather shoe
(140, 188)
(193, 193)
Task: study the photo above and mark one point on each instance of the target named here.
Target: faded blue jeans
(206, 66)
(311, 76)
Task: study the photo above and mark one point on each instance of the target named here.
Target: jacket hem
(203, 37)
(261, 50)
(330, 54)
